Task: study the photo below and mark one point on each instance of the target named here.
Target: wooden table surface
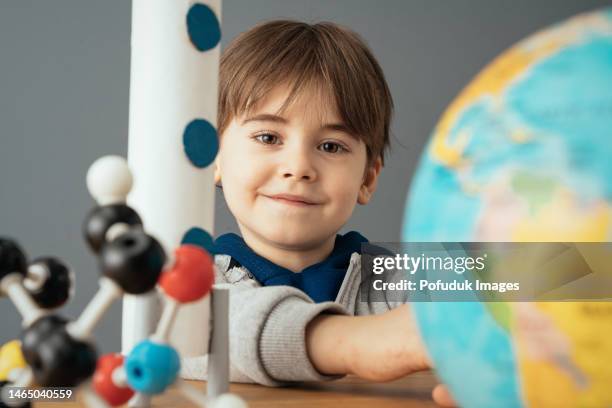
(412, 391)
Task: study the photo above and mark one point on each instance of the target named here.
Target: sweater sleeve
(267, 334)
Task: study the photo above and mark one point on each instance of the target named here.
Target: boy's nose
(299, 167)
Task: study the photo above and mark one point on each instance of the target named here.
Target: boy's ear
(217, 173)
(368, 187)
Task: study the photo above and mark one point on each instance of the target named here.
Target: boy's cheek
(239, 187)
(347, 192)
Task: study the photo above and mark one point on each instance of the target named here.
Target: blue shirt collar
(320, 281)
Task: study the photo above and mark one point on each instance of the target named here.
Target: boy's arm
(282, 344)
(377, 347)
(267, 333)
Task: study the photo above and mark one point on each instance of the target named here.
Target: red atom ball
(103, 381)
(192, 275)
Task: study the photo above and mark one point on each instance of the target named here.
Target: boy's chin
(300, 239)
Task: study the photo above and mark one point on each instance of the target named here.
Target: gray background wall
(64, 86)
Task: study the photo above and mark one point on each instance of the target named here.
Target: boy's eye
(267, 138)
(331, 147)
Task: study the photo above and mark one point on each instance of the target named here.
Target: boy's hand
(380, 347)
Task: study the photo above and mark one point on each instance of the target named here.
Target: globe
(524, 153)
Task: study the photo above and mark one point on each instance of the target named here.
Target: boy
(304, 116)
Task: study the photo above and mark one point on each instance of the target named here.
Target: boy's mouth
(292, 199)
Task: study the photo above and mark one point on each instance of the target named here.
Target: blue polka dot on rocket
(200, 142)
(203, 27)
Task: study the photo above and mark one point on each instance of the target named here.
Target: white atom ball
(109, 180)
(229, 401)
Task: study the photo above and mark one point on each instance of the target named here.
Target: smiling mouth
(292, 200)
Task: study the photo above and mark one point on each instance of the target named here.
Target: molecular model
(56, 352)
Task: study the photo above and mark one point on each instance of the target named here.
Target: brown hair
(323, 55)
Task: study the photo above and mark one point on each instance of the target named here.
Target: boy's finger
(441, 396)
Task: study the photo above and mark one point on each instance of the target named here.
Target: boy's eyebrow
(266, 117)
(339, 127)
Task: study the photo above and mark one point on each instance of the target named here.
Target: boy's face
(292, 179)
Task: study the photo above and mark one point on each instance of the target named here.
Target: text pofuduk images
(410, 265)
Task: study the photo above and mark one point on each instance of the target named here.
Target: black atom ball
(101, 219)
(134, 260)
(12, 258)
(56, 358)
(55, 290)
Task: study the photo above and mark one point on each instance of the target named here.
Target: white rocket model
(175, 50)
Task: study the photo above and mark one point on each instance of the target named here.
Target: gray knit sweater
(268, 325)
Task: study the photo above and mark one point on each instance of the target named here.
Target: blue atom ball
(203, 27)
(198, 236)
(200, 142)
(152, 367)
